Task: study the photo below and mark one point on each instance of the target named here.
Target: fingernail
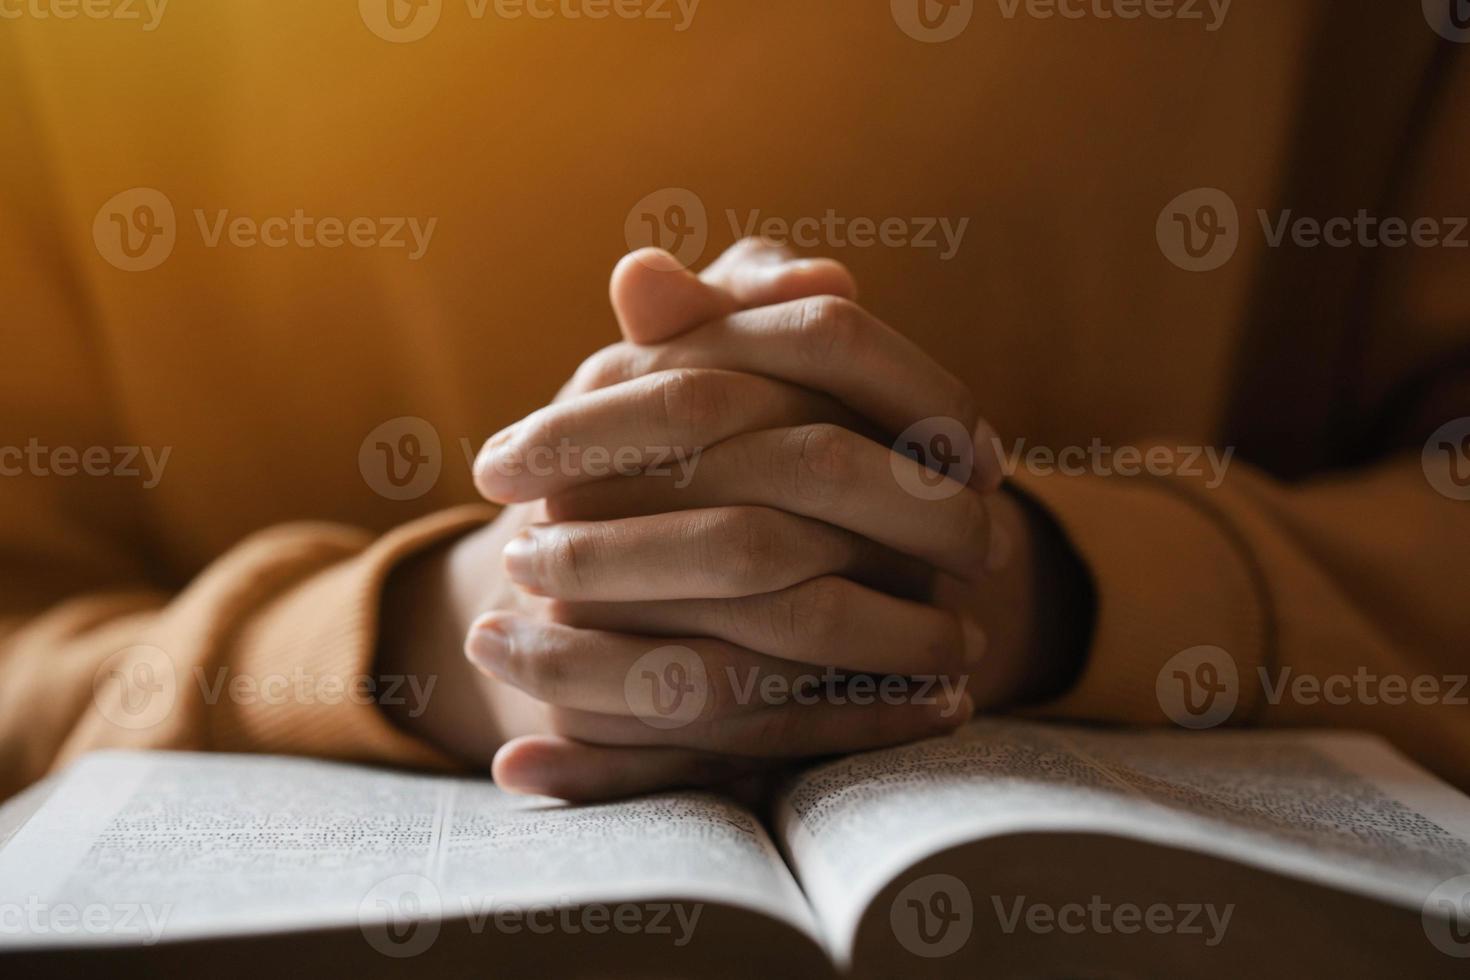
(976, 643)
(520, 560)
(659, 260)
(494, 467)
(487, 646)
(524, 773)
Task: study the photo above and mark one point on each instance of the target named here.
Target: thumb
(656, 299)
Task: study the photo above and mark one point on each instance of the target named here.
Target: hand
(817, 516)
(992, 562)
(430, 600)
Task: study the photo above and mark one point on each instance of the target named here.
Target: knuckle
(722, 698)
(747, 542)
(831, 327)
(820, 461)
(547, 676)
(809, 614)
(784, 620)
(542, 670)
(540, 428)
(608, 366)
(688, 401)
(568, 558)
(825, 606)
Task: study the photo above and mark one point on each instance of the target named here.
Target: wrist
(427, 605)
(1063, 608)
(1036, 606)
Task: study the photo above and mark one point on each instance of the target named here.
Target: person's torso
(1009, 198)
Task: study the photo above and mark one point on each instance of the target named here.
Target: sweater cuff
(310, 660)
(1181, 624)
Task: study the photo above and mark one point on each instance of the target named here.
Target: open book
(1007, 849)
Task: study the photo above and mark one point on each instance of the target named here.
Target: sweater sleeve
(270, 649)
(106, 639)
(1337, 603)
(1336, 600)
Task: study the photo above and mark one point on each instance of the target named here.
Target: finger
(819, 471)
(692, 554)
(759, 272)
(750, 252)
(600, 671)
(622, 429)
(549, 765)
(825, 344)
(826, 621)
(655, 298)
(790, 730)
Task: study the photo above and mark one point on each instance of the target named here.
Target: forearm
(428, 605)
(1037, 605)
(268, 650)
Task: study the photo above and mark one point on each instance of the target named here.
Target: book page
(1340, 810)
(159, 845)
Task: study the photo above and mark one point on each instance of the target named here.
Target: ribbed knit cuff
(1170, 577)
(310, 657)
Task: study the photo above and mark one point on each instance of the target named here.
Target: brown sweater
(262, 544)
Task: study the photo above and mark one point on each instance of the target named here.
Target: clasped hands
(713, 555)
